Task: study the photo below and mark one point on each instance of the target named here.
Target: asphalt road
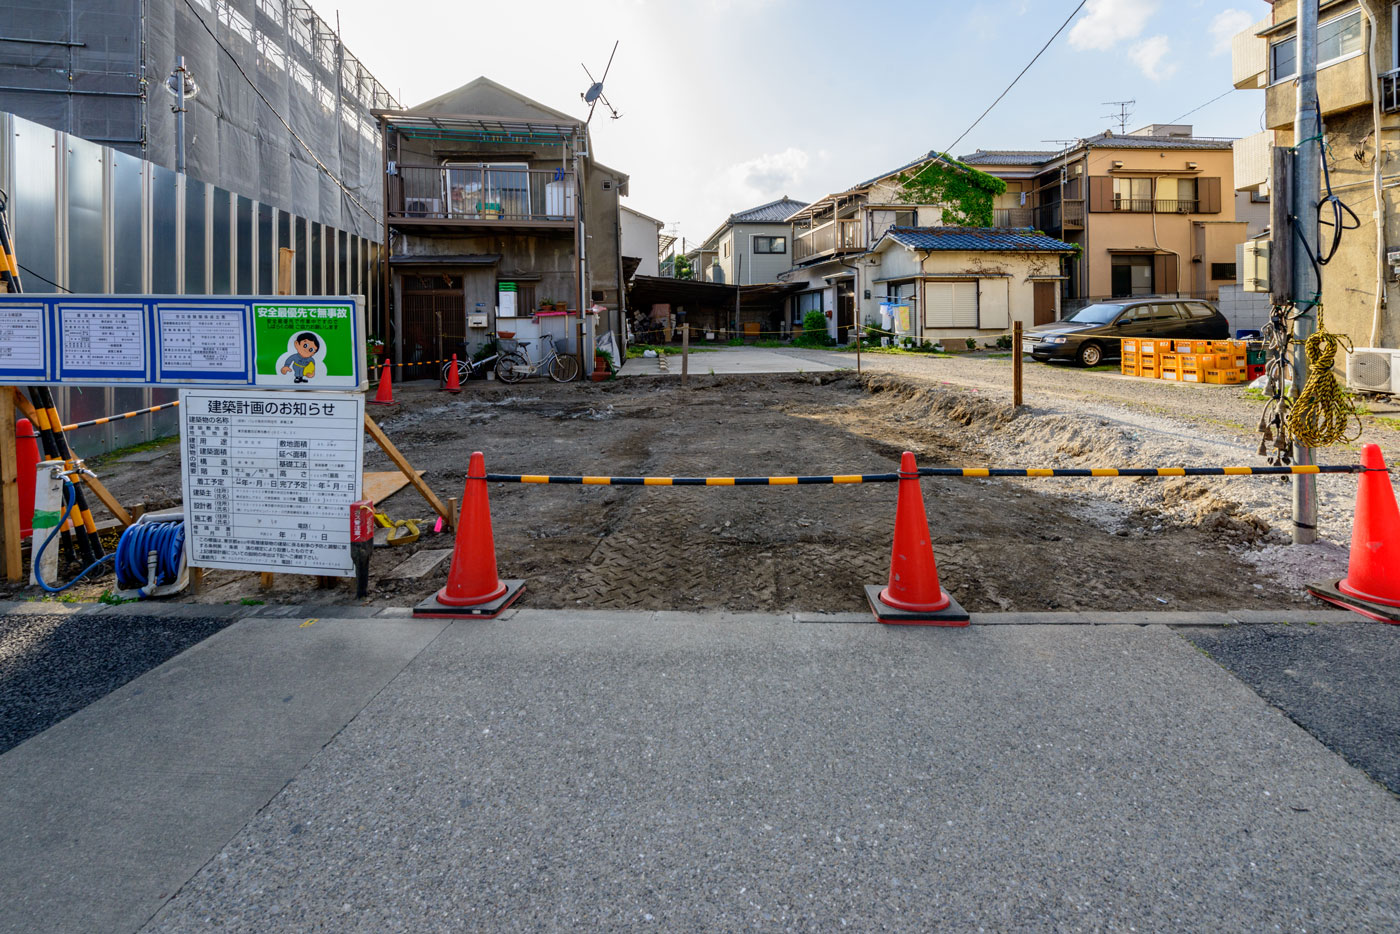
(54, 665)
(1339, 681)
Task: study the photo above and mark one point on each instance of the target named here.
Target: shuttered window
(950, 305)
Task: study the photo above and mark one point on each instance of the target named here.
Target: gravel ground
(1081, 418)
(52, 666)
(1340, 682)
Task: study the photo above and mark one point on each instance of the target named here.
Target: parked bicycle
(514, 364)
(467, 367)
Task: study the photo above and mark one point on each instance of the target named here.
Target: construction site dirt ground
(1001, 545)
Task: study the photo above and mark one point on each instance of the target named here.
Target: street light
(183, 86)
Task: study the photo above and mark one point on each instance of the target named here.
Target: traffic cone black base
(433, 607)
(950, 615)
(1377, 611)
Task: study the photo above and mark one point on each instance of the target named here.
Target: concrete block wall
(1243, 309)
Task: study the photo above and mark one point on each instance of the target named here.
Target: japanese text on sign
(268, 479)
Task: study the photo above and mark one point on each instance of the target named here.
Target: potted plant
(602, 365)
(561, 306)
(546, 304)
(374, 347)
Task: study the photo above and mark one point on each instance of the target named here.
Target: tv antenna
(594, 94)
(1062, 143)
(1125, 112)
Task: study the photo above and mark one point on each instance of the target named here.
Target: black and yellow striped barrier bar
(116, 418)
(927, 472)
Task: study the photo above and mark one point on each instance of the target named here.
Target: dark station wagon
(1094, 333)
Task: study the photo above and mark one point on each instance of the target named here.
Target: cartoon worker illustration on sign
(302, 360)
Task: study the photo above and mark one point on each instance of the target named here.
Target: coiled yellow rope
(1322, 414)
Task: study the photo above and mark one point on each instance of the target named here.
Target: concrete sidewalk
(561, 770)
(730, 360)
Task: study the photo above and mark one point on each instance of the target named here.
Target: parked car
(1094, 333)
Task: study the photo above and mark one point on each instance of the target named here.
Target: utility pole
(1307, 183)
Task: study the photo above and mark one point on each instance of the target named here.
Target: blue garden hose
(72, 497)
(166, 539)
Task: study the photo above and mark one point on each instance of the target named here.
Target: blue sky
(729, 103)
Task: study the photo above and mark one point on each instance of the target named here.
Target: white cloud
(1224, 27)
(1108, 22)
(769, 175)
(1149, 54)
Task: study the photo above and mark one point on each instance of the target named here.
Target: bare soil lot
(1001, 545)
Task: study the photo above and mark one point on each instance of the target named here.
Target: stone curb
(526, 614)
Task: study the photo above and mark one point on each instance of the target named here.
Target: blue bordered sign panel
(213, 341)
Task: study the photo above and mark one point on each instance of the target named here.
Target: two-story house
(751, 247)
(1151, 212)
(830, 232)
(1359, 96)
(494, 204)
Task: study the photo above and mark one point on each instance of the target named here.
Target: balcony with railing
(1073, 213)
(1132, 205)
(1177, 206)
(832, 237)
(1013, 217)
(480, 196)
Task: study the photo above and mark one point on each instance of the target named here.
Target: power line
(283, 120)
(1203, 106)
(949, 150)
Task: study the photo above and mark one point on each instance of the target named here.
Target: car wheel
(1090, 354)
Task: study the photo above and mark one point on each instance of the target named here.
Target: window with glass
(496, 190)
(1336, 39)
(770, 244)
(1132, 194)
(807, 301)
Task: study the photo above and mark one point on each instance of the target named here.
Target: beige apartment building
(1151, 212)
(1358, 84)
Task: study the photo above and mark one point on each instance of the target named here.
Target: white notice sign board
(269, 478)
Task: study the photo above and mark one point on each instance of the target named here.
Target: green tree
(965, 194)
(682, 267)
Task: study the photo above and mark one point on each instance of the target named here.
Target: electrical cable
(1072, 15)
(1339, 209)
(42, 278)
(283, 120)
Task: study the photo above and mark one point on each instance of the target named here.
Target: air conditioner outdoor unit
(1374, 369)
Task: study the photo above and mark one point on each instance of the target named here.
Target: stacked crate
(1187, 361)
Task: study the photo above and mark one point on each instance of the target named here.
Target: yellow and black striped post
(46, 418)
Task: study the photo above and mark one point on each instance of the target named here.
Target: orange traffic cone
(473, 591)
(384, 395)
(1372, 584)
(913, 597)
(453, 385)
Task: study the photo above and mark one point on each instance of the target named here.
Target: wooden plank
(286, 257)
(421, 564)
(108, 500)
(265, 580)
(9, 489)
(401, 462)
(379, 485)
(1016, 365)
